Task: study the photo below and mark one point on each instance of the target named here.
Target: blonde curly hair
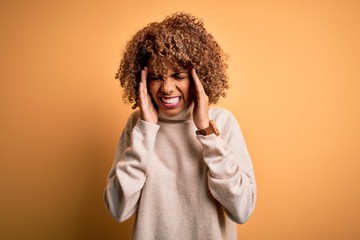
(180, 41)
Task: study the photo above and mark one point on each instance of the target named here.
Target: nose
(168, 85)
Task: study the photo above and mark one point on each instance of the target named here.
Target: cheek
(187, 91)
(153, 89)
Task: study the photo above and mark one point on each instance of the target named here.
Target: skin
(173, 85)
(171, 93)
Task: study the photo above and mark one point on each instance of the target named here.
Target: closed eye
(154, 77)
(179, 76)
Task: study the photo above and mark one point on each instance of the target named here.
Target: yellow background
(295, 76)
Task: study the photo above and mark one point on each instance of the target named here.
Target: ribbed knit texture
(182, 186)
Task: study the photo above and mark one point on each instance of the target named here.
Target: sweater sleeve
(129, 171)
(230, 177)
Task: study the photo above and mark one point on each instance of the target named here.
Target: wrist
(211, 128)
(203, 124)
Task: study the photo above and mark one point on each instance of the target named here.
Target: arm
(231, 178)
(128, 174)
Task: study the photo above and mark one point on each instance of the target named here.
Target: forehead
(168, 72)
(165, 68)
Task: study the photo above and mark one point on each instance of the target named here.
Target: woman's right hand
(148, 112)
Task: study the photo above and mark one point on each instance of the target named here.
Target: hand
(201, 103)
(148, 112)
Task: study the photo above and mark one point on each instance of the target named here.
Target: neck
(185, 114)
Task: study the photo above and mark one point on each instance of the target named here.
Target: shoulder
(135, 115)
(132, 119)
(221, 114)
(225, 121)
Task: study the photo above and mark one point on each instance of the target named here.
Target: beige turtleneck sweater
(182, 186)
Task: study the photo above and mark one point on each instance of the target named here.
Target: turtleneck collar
(184, 115)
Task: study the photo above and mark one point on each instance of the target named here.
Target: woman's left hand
(201, 103)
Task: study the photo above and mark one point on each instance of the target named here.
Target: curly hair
(180, 41)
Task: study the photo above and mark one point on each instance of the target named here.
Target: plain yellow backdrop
(295, 86)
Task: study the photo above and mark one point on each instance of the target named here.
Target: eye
(180, 76)
(154, 77)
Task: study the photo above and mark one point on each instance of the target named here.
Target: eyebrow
(172, 75)
(154, 75)
(178, 73)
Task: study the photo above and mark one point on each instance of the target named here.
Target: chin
(170, 113)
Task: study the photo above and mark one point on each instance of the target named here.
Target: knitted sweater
(182, 186)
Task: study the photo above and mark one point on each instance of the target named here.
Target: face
(171, 93)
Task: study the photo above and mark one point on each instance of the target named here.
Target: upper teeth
(170, 100)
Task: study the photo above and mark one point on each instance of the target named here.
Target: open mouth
(172, 100)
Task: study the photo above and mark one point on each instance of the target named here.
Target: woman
(181, 167)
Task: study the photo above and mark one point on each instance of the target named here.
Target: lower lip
(170, 105)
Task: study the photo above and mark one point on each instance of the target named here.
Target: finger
(143, 88)
(198, 85)
(144, 73)
(141, 93)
